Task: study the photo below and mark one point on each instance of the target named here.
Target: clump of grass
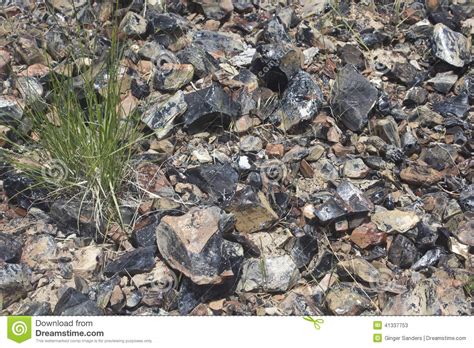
(82, 144)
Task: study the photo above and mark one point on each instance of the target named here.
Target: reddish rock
(275, 150)
(420, 175)
(367, 235)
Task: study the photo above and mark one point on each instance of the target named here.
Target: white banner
(238, 332)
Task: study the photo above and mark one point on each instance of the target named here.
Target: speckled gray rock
(271, 274)
(402, 252)
(15, 281)
(10, 248)
(451, 46)
(161, 115)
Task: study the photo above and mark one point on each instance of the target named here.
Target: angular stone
(153, 181)
(161, 116)
(443, 82)
(346, 301)
(430, 258)
(415, 96)
(170, 77)
(426, 117)
(367, 235)
(466, 198)
(275, 32)
(323, 263)
(439, 156)
(355, 169)
(67, 7)
(192, 295)
(387, 130)
(252, 211)
(407, 74)
(87, 261)
(354, 199)
(402, 252)
(276, 64)
(329, 211)
(133, 25)
(351, 55)
(22, 191)
(39, 251)
(360, 269)
(315, 153)
(30, 89)
(203, 63)
(420, 175)
(395, 220)
(352, 98)
(465, 231)
(216, 9)
(168, 23)
(209, 106)
(140, 260)
(193, 244)
(29, 52)
(145, 236)
(72, 215)
(72, 302)
(457, 106)
(218, 180)
(15, 281)
(10, 248)
(451, 46)
(270, 274)
(217, 43)
(300, 102)
(249, 143)
(11, 111)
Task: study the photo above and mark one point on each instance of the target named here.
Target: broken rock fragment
(218, 180)
(395, 220)
(403, 252)
(271, 274)
(276, 64)
(301, 101)
(10, 248)
(420, 175)
(73, 302)
(252, 211)
(346, 301)
(170, 77)
(352, 98)
(140, 260)
(451, 46)
(193, 244)
(161, 115)
(209, 106)
(367, 235)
